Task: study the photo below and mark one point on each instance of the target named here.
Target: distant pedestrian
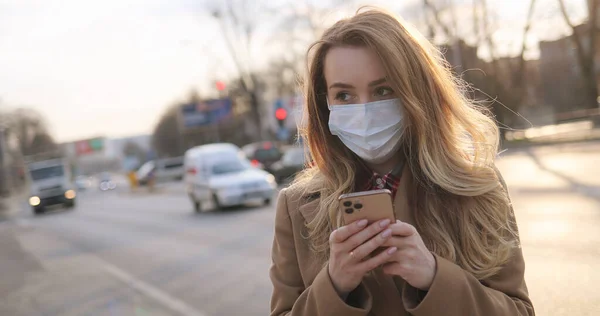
(385, 112)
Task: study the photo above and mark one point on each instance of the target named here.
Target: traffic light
(281, 115)
(220, 85)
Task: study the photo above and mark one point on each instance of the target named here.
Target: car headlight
(70, 194)
(271, 179)
(34, 201)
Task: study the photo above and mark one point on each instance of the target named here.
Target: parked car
(221, 174)
(293, 161)
(263, 154)
(167, 169)
(50, 185)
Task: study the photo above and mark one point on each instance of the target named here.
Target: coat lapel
(401, 205)
(309, 209)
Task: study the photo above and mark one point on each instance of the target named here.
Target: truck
(51, 184)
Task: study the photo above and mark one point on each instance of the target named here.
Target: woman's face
(354, 74)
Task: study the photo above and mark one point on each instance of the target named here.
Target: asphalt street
(142, 253)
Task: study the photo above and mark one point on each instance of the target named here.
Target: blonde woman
(383, 111)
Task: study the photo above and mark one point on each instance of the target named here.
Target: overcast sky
(110, 67)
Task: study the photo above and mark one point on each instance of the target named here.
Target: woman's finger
(341, 234)
(403, 229)
(377, 260)
(363, 250)
(366, 234)
(399, 242)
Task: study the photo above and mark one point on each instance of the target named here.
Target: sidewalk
(12, 204)
(558, 138)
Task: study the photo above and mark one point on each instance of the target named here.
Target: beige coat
(302, 285)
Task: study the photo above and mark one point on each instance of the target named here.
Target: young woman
(383, 111)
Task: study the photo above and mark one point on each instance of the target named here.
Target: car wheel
(197, 205)
(267, 201)
(216, 202)
(38, 210)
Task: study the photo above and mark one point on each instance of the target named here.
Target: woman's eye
(343, 96)
(383, 91)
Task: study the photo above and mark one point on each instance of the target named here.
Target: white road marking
(161, 297)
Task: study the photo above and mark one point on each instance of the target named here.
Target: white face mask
(371, 130)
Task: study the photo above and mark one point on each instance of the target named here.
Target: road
(122, 253)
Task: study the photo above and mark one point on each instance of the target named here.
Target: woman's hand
(413, 262)
(350, 247)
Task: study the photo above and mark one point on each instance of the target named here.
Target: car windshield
(230, 166)
(47, 172)
(173, 165)
(267, 154)
(294, 157)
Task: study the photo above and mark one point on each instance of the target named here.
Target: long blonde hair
(460, 209)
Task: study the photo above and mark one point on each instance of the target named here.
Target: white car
(221, 174)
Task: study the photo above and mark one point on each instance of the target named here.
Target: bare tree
(519, 81)
(166, 138)
(507, 89)
(31, 129)
(238, 27)
(132, 149)
(586, 57)
(300, 25)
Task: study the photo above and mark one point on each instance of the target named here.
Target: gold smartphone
(372, 205)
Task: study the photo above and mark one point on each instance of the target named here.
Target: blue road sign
(205, 113)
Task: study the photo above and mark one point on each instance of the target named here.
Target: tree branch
(488, 36)
(518, 85)
(575, 36)
(521, 69)
(438, 20)
(586, 61)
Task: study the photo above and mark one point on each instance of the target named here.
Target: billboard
(205, 113)
(89, 146)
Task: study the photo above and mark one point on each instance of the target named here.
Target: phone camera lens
(349, 211)
(347, 204)
(358, 206)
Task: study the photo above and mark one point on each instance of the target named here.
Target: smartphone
(372, 205)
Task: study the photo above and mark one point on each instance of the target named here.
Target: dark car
(263, 154)
(293, 161)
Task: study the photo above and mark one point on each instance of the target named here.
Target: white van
(221, 173)
(50, 185)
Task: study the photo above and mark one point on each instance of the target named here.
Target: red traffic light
(220, 85)
(281, 114)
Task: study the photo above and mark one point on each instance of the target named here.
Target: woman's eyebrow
(349, 86)
(341, 85)
(377, 82)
